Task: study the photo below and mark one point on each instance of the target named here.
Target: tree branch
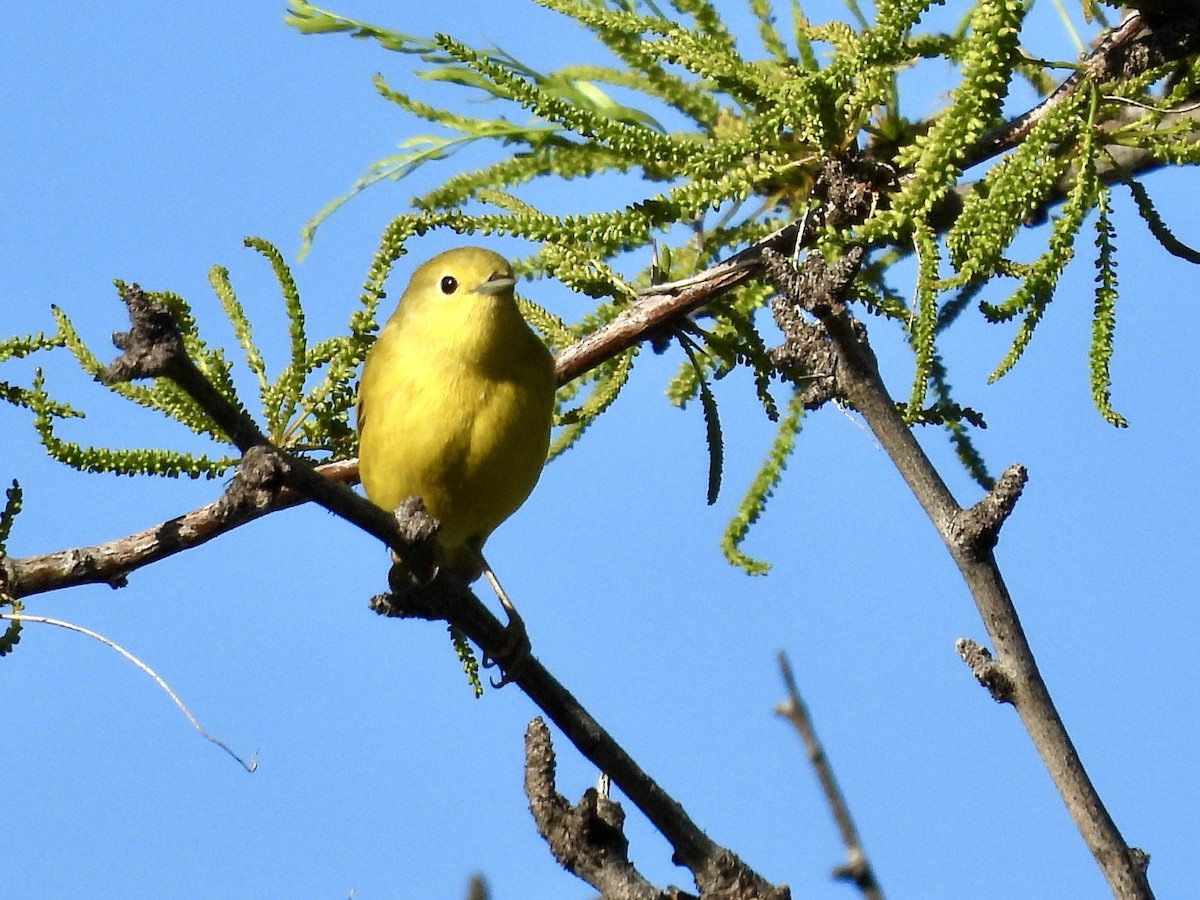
(857, 869)
(969, 536)
(714, 868)
(587, 839)
(154, 348)
(111, 562)
(1124, 52)
(664, 304)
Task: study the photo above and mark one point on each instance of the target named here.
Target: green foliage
(1013, 190)
(955, 419)
(299, 414)
(729, 339)
(1104, 316)
(761, 488)
(1162, 233)
(466, 656)
(1166, 129)
(757, 133)
(707, 146)
(304, 409)
(712, 422)
(1040, 278)
(121, 462)
(607, 380)
(19, 347)
(12, 634)
(923, 322)
(12, 505)
(162, 395)
(988, 56)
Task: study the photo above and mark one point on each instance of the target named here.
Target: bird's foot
(515, 652)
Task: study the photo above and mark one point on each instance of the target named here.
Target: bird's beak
(496, 283)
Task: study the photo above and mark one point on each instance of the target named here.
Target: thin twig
(70, 626)
(477, 888)
(662, 304)
(857, 868)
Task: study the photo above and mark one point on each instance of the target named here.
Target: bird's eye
(449, 284)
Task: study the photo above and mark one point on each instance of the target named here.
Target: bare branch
(662, 304)
(856, 869)
(860, 383)
(587, 839)
(715, 868)
(111, 562)
(978, 528)
(992, 674)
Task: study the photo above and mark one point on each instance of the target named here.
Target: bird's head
(466, 274)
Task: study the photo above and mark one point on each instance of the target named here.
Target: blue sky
(145, 140)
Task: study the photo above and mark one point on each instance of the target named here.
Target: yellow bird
(455, 405)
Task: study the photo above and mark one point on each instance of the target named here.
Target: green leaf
(712, 423)
(12, 634)
(762, 487)
(1162, 233)
(1104, 316)
(12, 506)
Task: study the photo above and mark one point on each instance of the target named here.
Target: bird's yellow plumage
(455, 403)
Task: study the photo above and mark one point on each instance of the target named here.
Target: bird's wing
(360, 415)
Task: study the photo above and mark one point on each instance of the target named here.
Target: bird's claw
(513, 655)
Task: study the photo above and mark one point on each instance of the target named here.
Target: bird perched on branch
(455, 406)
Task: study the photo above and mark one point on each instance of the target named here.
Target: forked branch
(969, 536)
(587, 839)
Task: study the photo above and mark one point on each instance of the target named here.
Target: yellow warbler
(455, 404)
